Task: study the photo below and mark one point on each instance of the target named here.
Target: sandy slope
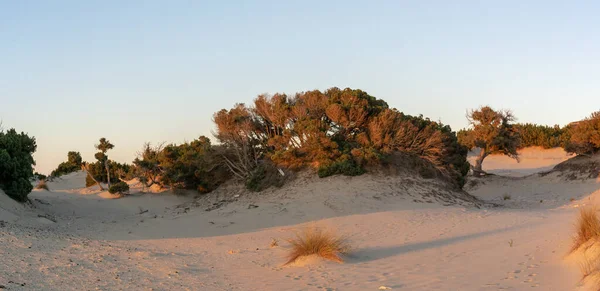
(404, 238)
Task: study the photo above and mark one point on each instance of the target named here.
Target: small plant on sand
(119, 188)
(42, 185)
(587, 227)
(506, 197)
(274, 243)
(319, 242)
(510, 243)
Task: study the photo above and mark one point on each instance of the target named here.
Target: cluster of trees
(543, 135)
(335, 132)
(192, 165)
(585, 136)
(494, 132)
(16, 163)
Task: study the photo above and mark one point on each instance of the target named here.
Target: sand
(407, 233)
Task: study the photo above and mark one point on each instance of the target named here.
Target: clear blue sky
(135, 71)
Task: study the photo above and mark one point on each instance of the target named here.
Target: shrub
(193, 165)
(587, 227)
(16, 164)
(346, 168)
(316, 241)
(336, 131)
(73, 164)
(42, 185)
(39, 176)
(585, 136)
(263, 177)
(119, 188)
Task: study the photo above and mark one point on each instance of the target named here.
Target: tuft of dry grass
(42, 185)
(506, 197)
(316, 241)
(274, 243)
(587, 227)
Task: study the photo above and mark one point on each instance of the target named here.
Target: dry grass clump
(319, 242)
(587, 227)
(42, 185)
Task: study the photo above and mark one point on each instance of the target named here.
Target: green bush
(346, 168)
(16, 164)
(542, 135)
(191, 166)
(119, 188)
(89, 181)
(73, 164)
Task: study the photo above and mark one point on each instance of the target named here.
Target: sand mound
(9, 209)
(579, 168)
(347, 194)
(75, 180)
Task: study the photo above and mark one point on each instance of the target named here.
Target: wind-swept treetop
(493, 132)
(336, 131)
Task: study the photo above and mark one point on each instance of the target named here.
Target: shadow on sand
(377, 253)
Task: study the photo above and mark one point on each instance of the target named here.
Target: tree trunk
(478, 168)
(107, 171)
(85, 169)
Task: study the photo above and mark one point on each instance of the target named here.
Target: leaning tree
(492, 132)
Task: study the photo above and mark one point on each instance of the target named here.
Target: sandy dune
(407, 233)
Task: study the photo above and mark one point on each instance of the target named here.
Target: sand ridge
(405, 233)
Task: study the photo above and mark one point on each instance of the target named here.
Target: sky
(156, 71)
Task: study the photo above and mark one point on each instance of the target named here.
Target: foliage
(345, 167)
(39, 176)
(335, 132)
(263, 177)
(119, 188)
(73, 164)
(585, 136)
(191, 165)
(492, 132)
(16, 163)
(542, 135)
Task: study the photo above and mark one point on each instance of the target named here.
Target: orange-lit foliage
(340, 129)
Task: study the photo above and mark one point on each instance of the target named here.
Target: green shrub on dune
(16, 164)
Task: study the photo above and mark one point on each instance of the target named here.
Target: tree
(72, 164)
(16, 163)
(585, 136)
(103, 147)
(492, 132)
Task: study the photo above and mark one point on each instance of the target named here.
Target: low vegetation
(73, 164)
(585, 136)
(120, 188)
(16, 163)
(587, 227)
(316, 241)
(42, 185)
(535, 135)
